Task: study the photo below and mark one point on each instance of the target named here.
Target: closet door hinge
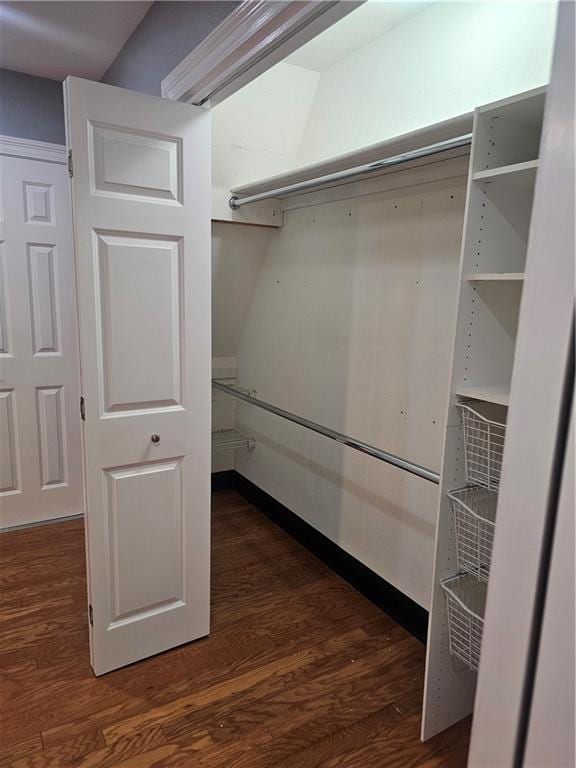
(82, 409)
(91, 615)
(70, 166)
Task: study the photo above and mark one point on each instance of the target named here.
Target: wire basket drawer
(465, 601)
(484, 432)
(474, 511)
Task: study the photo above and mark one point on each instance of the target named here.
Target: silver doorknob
(155, 438)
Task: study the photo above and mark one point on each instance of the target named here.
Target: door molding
(31, 149)
(51, 521)
(254, 37)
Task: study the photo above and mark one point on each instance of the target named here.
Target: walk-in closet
(286, 349)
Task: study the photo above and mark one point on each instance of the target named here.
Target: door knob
(155, 438)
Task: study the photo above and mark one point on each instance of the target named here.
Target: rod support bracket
(233, 203)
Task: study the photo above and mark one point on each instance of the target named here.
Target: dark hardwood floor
(299, 671)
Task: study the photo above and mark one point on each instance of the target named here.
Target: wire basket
(226, 439)
(484, 433)
(474, 511)
(465, 601)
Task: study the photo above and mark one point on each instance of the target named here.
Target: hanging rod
(351, 442)
(350, 173)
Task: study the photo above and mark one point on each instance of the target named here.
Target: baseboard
(224, 480)
(36, 523)
(388, 598)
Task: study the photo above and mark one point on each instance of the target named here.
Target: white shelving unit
(503, 167)
(518, 175)
(494, 276)
(488, 394)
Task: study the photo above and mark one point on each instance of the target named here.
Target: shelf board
(519, 175)
(475, 277)
(431, 134)
(227, 439)
(489, 394)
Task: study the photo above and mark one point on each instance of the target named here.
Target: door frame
(254, 37)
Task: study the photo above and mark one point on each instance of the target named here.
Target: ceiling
(356, 30)
(57, 39)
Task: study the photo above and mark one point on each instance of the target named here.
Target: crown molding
(254, 37)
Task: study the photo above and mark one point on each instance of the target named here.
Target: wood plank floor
(299, 671)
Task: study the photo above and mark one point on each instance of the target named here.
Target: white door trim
(31, 149)
(254, 37)
(51, 521)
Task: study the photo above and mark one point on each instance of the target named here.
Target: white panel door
(40, 442)
(141, 200)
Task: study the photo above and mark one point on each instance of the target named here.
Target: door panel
(134, 164)
(9, 475)
(40, 448)
(39, 203)
(52, 430)
(139, 287)
(5, 346)
(43, 300)
(142, 227)
(139, 498)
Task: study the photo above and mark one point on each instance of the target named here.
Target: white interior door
(141, 202)
(40, 451)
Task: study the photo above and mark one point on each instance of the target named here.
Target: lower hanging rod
(352, 173)
(351, 442)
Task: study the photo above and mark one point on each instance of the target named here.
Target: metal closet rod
(352, 173)
(351, 442)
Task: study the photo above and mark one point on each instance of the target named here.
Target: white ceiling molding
(32, 150)
(254, 37)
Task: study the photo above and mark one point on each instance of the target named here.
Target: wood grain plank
(19, 668)
(239, 712)
(299, 670)
(195, 667)
(278, 669)
(281, 725)
(68, 752)
(135, 745)
(16, 749)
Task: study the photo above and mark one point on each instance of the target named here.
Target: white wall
(257, 132)
(351, 325)
(238, 252)
(442, 62)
